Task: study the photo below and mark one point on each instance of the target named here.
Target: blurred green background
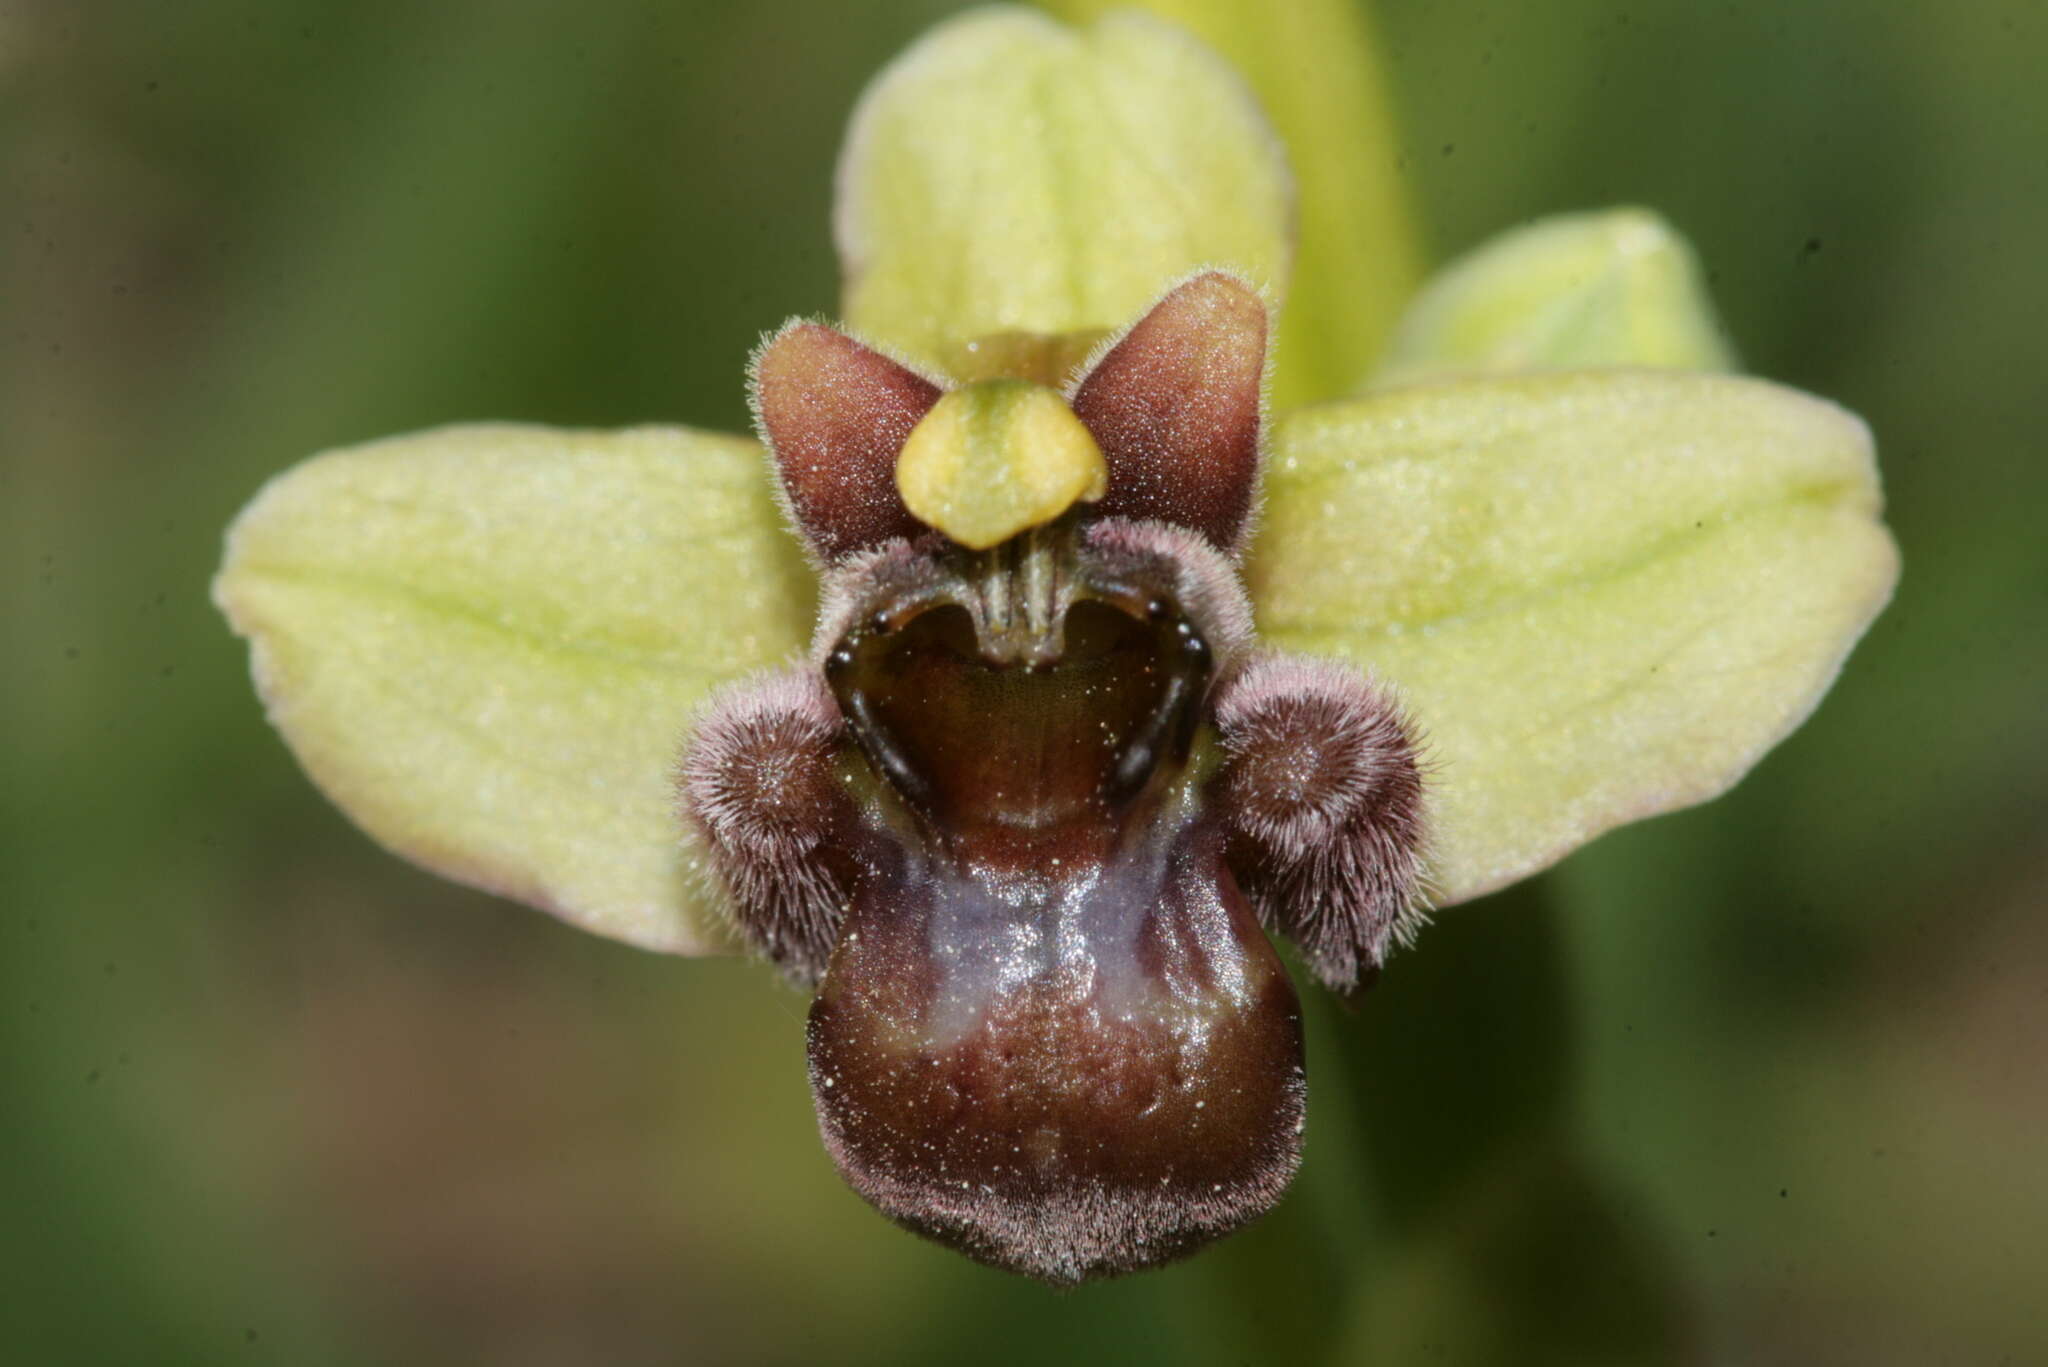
(1762, 1082)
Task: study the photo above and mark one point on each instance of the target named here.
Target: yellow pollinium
(993, 458)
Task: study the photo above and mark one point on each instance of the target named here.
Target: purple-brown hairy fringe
(894, 570)
(760, 782)
(1322, 792)
(1190, 571)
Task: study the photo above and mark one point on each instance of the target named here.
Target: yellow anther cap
(994, 458)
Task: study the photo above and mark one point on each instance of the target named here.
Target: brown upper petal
(1175, 408)
(835, 413)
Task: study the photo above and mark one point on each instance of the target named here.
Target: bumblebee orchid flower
(1029, 673)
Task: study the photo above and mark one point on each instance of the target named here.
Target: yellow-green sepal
(1604, 594)
(1617, 287)
(1315, 68)
(485, 644)
(1008, 174)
